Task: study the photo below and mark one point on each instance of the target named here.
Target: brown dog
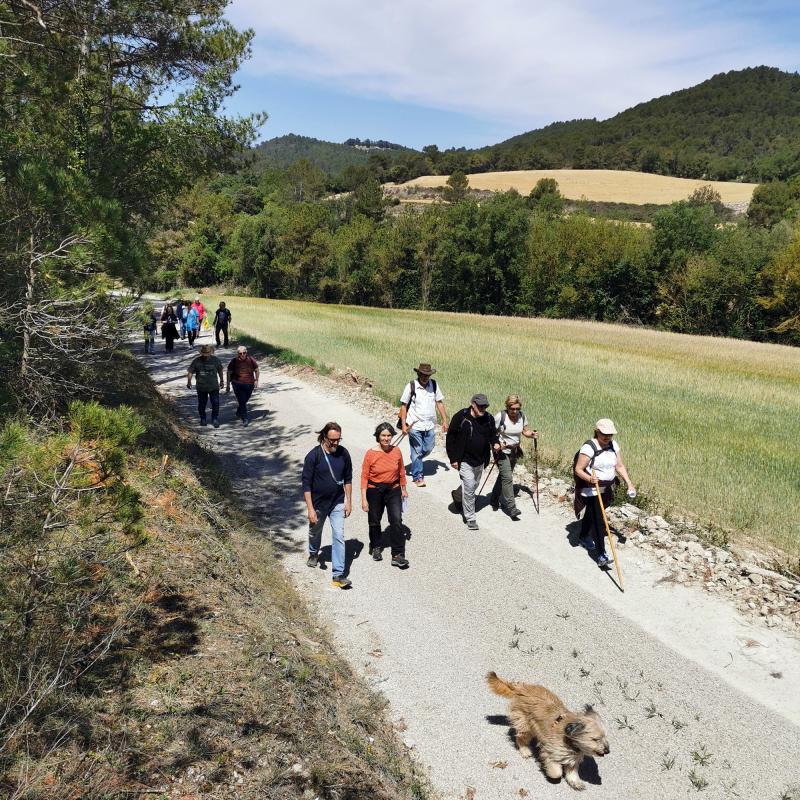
(563, 736)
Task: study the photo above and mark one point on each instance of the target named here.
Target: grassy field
(708, 426)
(608, 185)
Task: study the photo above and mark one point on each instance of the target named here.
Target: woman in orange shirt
(383, 486)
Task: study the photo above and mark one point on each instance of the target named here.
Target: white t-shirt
(422, 411)
(512, 431)
(604, 466)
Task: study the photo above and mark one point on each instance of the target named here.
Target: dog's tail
(499, 686)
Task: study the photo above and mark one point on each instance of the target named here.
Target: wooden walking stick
(608, 532)
(402, 435)
(494, 464)
(536, 468)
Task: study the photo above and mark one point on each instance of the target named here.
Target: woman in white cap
(600, 458)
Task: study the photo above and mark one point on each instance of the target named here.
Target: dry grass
(709, 426)
(606, 185)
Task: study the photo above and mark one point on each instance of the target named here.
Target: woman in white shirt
(511, 426)
(599, 457)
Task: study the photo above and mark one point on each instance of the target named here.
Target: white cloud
(522, 62)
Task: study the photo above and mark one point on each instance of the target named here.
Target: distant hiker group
(474, 440)
(183, 321)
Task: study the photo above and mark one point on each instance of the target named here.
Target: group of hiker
(184, 320)
(474, 439)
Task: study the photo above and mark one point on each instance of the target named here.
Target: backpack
(580, 483)
(502, 424)
(411, 396)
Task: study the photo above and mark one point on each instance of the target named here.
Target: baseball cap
(480, 400)
(605, 426)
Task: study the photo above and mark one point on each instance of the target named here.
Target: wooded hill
(742, 124)
(282, 151)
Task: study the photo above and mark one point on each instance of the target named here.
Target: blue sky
(454, 72)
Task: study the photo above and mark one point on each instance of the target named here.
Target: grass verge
(220, 683)
(707, 424)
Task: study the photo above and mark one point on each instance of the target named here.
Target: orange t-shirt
(382, 467)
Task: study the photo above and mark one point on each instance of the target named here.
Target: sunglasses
(333, 441)
(515, 408)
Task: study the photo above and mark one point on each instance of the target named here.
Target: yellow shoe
(341, 582)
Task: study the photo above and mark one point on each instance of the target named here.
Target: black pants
(202, 400)
(191, 333)
(242, 392)
(592, 527)
(382, 496)
(221, 329)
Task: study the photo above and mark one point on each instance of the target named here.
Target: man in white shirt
(420, 401)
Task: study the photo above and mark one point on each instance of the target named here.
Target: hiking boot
(245, 421)
(603, 561)
(419, 483)
(515, 516)
(495, 502)
(472, 525)
(215, 422)
(456, 495)
(203, 421)
(312, 560)
(341, 582)
(400, 561)
(376, 554)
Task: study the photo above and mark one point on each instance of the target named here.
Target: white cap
(605, 426)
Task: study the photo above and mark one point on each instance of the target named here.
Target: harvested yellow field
(602, 185)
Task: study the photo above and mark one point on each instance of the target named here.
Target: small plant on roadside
(678, 725)
(623, 724)
(697, 780)
(701, 756)
(667, 761)
(650, 711)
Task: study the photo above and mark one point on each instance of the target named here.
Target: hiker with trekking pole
(471, 438)
(420, 401)
(511, 426)
(596, 467)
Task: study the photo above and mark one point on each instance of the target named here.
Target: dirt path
(694, 697)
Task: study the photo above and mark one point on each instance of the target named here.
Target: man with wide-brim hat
(210, 378)
(470, 440)
(420, 401)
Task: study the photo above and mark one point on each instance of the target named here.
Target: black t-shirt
(326, 484)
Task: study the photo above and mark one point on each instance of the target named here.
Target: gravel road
(695, 698)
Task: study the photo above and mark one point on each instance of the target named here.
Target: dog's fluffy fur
(564, 737)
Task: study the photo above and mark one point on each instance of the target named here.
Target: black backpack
(411, 396)
(502, 425)
(580, 483)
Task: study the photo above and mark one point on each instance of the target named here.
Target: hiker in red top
(243, 376)
(201, 312)
(383, 485)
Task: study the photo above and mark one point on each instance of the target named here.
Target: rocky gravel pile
(683, 548)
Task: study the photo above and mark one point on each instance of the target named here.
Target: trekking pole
(402, 435)
(608, 533)
(536, 468)
(494, 464)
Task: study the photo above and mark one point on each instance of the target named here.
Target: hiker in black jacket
(471, 437)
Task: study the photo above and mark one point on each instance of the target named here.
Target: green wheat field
(709, 427)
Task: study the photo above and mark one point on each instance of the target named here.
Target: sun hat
(480, 400)
(206, 348)
(424, 369)
(605, 426)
